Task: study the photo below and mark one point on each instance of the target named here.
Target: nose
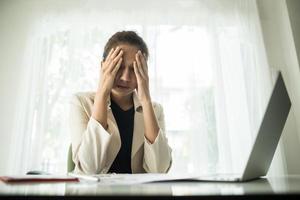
(125, 75)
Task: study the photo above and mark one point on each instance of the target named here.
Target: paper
(84, 177)
(128, 179)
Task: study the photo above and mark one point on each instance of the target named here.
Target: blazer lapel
(138, 131)
(115, 142)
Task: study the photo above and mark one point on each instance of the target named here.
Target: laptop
(266, 140)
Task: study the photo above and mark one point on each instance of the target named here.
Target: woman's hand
(141, 73)
(109, 69)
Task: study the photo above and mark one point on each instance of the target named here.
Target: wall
(14, 23)
(294, 15)
(281, 32)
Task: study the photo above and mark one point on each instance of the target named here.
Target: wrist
(146, 102)
(101, 96)
(102, 92)
(145, 99)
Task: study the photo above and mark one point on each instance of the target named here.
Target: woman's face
(125, 81)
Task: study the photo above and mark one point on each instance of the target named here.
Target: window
(207, 69)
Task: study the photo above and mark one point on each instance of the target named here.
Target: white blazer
(94, 148)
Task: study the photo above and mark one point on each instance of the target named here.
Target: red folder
(37, 179)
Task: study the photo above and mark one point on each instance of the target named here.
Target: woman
(118, 129)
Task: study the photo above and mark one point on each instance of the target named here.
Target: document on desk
(129, 179)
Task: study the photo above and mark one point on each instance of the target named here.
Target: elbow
(158, 167)
(84, 164)
(84, 167)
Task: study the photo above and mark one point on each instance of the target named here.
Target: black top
(125, 121)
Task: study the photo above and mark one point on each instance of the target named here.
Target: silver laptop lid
(269, 132)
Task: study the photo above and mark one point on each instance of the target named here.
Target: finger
(115, 61)
(136, 71)
(115, 53)
(109, 54)
(104, 66)
(116, 69)
(106, 60)
(143, 60)
(139, 65)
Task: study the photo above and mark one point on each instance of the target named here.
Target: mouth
(123, 87)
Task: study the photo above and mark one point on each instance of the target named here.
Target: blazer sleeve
(89, 139)
(157, 156)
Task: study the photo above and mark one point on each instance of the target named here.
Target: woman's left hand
(141, 73)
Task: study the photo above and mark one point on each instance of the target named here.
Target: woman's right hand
(109, 69)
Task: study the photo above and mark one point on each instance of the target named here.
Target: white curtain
(207, 68)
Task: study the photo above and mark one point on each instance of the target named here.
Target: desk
(267, 187)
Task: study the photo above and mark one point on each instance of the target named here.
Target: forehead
(129, 52)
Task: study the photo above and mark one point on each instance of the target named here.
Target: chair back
(70, 163)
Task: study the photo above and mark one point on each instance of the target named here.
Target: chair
(70, 163)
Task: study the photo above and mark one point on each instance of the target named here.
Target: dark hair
(128, 37)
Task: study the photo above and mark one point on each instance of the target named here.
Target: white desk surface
(288, 185)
